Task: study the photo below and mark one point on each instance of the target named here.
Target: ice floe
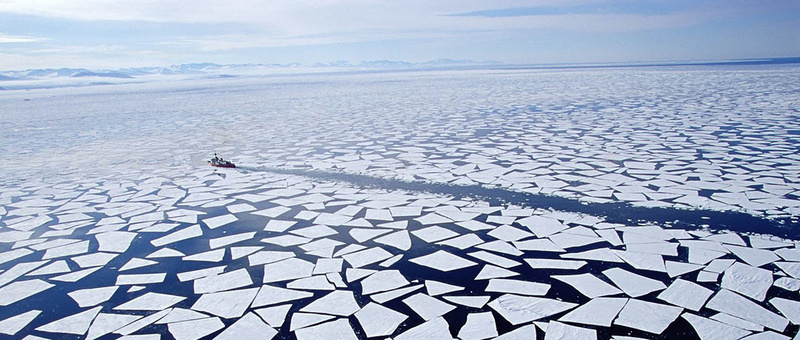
(151, 301)
(736, 305)
(337, 329)
(599, 311)
(521, 309)
(588, 285)
(249, 326)
(227, 304)
(442, 261)
(686, 294)
(647, 316)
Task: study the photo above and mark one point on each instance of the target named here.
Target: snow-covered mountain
(212, 68)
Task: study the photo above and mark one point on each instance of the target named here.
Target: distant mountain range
(232, 70)
(212, 68)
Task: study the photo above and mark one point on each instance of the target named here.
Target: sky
(113, 34)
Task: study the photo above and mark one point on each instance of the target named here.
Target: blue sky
(130, 33)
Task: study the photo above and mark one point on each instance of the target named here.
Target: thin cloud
(9, 39)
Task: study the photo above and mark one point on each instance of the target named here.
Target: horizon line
(389, 64)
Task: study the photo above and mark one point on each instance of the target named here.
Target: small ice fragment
(541, 244)
(366, 257)
(92, 296)
(274, 316)
(114, 241)
(686, 294)
(588, 285)
(151, 301)
(700, 255)
(522, 333)
(225, 281)
(316, 282)
(365, 234)
(269, 295)
(788, 283)
(679, 268)
(228, 304)
(542, 226)
(705, 276)
(268, 256)
(427, 307)
(500, 247)
(272, 212)
(163, 253)
(383, 281)
(647, 316)
(239, 252)
(76, 275)
(753, 257)
(393, 294)
(469, 301)
(602, 255)
(598, 312)
(279, 226)
(238, 208)
(136, 262)
(339, 302)
(93, 259)
(642, 261)
(355, 274)
(399, 240)
(737, 322)
(218, 221)
(391, 261)
(208, 256)
(479, 326)
(747, 280)
(377, 320)
(438, 288)
(143, 322)
(74, 324)
(634, 285)
(708, 329)
(442, 261)
(493, 272)
(56, 267)
(522, 309)
(436, 329)
(106, 323)
(301, 320)
(462, 242)
(20, 290)
(560, 331)
(67, 250)
(434, 234)
(139, 279)
(568, 240)
(555, 264)
(13, 324)
(519, 287)
(736, 305)
(195, 329)
(200, 273)
(494, 259)
(230, 239)
(181, 314)
(288, 269)
(789, 308)
(249, 326)
(339, 329)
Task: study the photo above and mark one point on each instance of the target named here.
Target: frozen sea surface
(468, 204)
